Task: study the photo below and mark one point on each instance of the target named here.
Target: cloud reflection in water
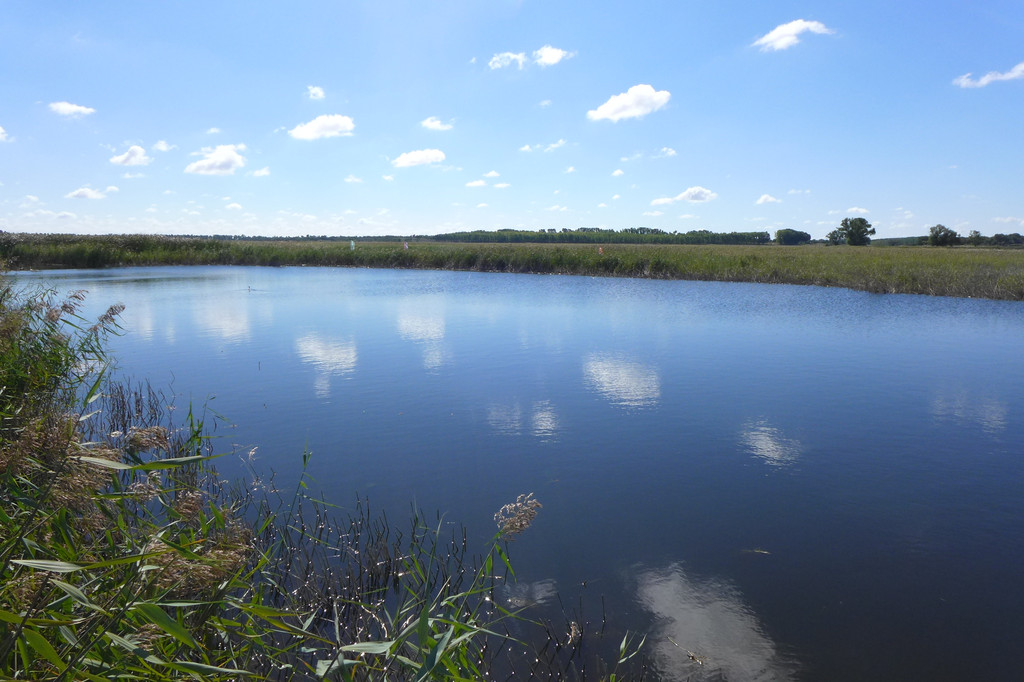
(622, 381)
(509, 420)
(768, 443)
(710, 620)
(428, 330)
(329, 358)
(988, 413)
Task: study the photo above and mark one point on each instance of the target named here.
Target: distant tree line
(597, 235)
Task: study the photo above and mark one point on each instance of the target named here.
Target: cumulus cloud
(434, 123)
(653, 214)
(549, 56)
(3, 134)
(857, 209)
(162, 146)
(501, 185)
(476, 183)
(135, 156)
(418, 158)
(787, 35)
(234, 206)
(526, 148)
(262, 172)
(70, 110)
(799, 191)
(90, 193)
(554, 145)
(694, 195)
(491, 174)
(389, 178)
(352, 178)
(767, 199)
(636, 102)
(965, 81)
(617, 172)
(570, 169)
(223, 159)
(665, 153)
(212, 131)
(315, 92)
(500, 61)
(556, 207)
(481, 205)
(544, 103)
(326, 125)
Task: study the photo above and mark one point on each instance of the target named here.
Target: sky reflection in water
(667, 427)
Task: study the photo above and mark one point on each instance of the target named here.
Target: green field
(959, 271)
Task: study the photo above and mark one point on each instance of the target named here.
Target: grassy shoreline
(963, 272)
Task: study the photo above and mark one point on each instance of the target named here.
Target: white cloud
(162, 146)
(223, 159)
(554, 145)
(616, 196)
(965, 81)
(481, 205)
(434, 123)
(89, 193)
(549, 56)
(543, 104)
(476, 183)
(526, 148)
(692, 194)
(570, 169)
(602, 205)
(687, 216)
(638, 101)
(1010, 220)
(618, 172)
(500, 61)
(491, 174)
(234, 207)
(501, 185)
(128, 175)
(135, 156)
(556, 207)
(352, 178)
(315, 92)
(262, 172)
(767, 199)
(326, 125)
(799, 191)
(857, 209)
(3, 134)
(665, 153)
(389, 178)
(418, 158)
(653, 214)
(70, 110)
(212, 131)
(787, 35)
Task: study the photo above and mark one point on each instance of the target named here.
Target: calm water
(792, 482)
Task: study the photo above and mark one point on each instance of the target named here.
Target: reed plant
(124, 556)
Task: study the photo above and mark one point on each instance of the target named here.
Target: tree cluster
(852, 231)
(787, 237)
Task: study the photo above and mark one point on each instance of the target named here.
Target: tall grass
(123, 556)
(977, 272)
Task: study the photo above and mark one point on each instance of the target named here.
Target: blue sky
(362, 118)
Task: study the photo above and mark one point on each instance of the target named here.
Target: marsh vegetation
(967, 272)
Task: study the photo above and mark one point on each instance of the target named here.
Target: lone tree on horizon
(852, 231)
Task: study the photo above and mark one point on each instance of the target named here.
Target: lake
(795, 483)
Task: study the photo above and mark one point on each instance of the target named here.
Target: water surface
(791, 482)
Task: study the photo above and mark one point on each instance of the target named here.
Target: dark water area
(793, 483)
